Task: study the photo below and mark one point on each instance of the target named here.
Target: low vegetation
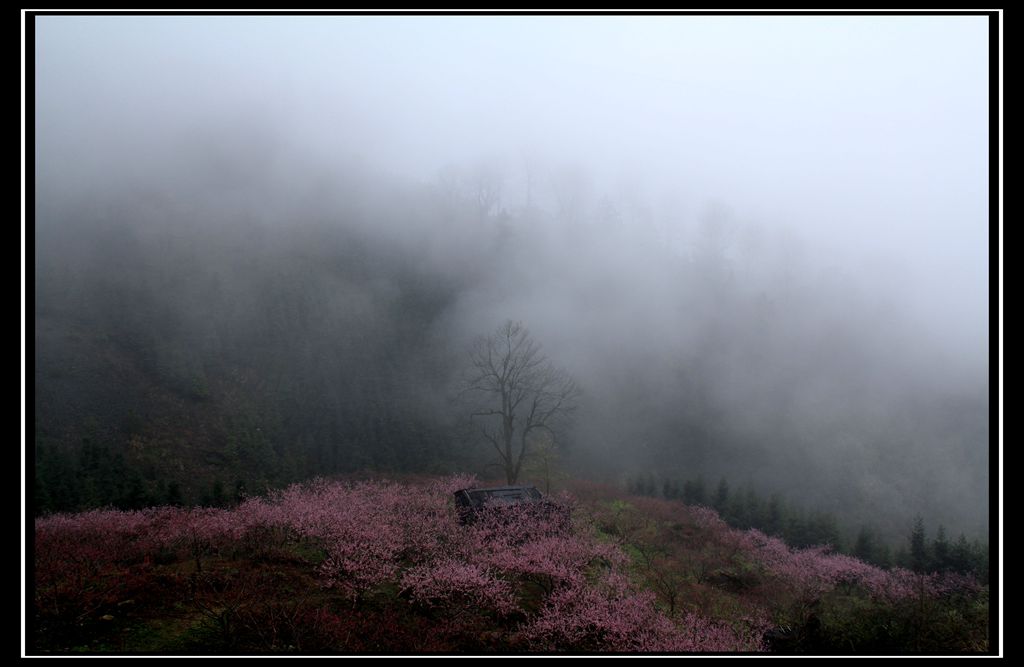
(386, 567)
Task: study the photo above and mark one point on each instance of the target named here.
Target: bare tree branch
(518, 390)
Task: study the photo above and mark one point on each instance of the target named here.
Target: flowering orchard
(382, 566)
(695, 563)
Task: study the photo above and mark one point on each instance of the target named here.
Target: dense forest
(200, 340)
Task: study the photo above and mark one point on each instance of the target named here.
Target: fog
(760, 244)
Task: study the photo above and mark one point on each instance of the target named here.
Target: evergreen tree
(980, 560)
(775, 520)
(960, 558)
(694, 492)
(734, 512)
(940, 551)
(919, 560)
(753, 509)
(866, 546)
(721, 496)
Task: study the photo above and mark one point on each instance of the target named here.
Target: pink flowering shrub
(585, 618)
(807, 573)
(389, 566)
(815, 571)
(459, 587)
(611, 618)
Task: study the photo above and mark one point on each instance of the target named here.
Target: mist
(759, 244)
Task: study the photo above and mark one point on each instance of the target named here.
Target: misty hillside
(716, 286)
(378, 566)
(322, 328)
(264, 248)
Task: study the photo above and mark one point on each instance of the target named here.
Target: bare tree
(516, 392)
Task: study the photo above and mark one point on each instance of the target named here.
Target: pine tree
(776, 519)
(721, 496)
(919, 560)
(960, 555)
(940, 551)
(694, 492)
(866, 546)
(980, 561)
